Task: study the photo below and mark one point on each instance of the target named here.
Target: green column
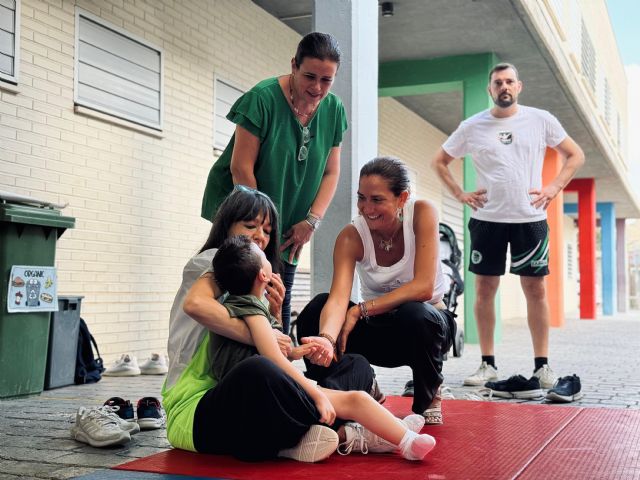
(466, 73)
(475, 100)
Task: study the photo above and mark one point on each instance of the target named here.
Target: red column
(586, 188)
(555, 279)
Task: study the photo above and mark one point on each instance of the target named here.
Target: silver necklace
(387, 245)
(293, 103)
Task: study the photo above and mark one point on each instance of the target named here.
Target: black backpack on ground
(88, 367)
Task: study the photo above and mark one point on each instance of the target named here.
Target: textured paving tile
(36, 442)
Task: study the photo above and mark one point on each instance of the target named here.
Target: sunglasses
(303, 153)
(245, 189)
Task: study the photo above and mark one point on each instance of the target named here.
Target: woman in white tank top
(401, 320)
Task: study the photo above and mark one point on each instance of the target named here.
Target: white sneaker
(130, 427)
(156, 365)
(125, 366)
(317, 444)
(359, 439)
(485, 373)
(98, 428)
(546, 376)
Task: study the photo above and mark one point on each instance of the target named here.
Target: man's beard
(506, 102)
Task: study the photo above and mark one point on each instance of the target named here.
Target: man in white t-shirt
(507, 144)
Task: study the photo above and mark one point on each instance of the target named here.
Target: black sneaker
(150, 414)
(408, 389)
(123, 409)
(566, 389)
(516, 387)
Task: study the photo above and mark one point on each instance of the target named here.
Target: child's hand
(326, 410)
(298, 352)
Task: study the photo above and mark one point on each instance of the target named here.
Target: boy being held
(242, 269)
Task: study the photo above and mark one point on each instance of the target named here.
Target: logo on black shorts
(505, 137)
(476, 257)
(543, 262)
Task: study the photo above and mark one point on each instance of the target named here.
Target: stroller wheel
(458, 344)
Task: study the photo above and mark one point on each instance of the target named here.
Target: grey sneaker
(98, 427)
(546, 376)
(317, 444)
(484, 374)
(359, 439)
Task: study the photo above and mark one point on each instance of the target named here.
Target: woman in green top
(287, 145)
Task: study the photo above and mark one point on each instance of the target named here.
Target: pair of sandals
(432, 415)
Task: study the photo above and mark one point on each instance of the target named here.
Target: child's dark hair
(322, 46)
(236, 265)
(243, 205)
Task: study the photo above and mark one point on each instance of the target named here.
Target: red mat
(480, 440)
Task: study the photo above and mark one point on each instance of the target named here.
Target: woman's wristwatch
(313, 221)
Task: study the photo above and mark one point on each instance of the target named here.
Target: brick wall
(136, 196)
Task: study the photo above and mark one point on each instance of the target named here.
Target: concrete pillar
(586, 189)
(607, 211)
(555, 279)
(621, 261)
(355, 25)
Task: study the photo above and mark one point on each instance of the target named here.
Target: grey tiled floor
(35, 440)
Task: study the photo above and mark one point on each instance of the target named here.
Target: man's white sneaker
(485, 373)
(125, 366)
(546, 376)
(317, 444)
(98, 428)
(156, 365)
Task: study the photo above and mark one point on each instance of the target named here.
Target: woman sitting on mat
(393, 245)
(257, 411)
(242, 270)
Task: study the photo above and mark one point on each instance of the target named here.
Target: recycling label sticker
(32, 289)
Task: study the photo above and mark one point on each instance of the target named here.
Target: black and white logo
(505, 137)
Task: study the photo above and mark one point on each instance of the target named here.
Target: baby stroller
(451, 258)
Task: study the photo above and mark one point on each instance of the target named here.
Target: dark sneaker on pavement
(124, 410)
(566, 389)
(150, 414)
(516, 387)
(408, 389)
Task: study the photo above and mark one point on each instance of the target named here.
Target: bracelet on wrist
(331, 340)
(313, 220)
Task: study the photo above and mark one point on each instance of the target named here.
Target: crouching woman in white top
(393, 246)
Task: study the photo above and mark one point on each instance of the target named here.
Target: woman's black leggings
(256, 410)
(415, 334)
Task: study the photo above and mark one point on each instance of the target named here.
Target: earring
(400, 215)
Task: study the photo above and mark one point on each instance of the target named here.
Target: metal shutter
(118, 74)
(223, 129)
(9, 37)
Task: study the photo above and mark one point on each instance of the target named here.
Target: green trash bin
(29, 230)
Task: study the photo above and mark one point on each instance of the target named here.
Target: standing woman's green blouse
(292, 184)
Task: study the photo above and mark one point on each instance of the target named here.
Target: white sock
(414, 446)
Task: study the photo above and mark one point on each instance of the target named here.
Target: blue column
(607, 212)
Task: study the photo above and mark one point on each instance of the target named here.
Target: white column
(354, 23)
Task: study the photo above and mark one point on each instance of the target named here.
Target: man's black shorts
(529, 247)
